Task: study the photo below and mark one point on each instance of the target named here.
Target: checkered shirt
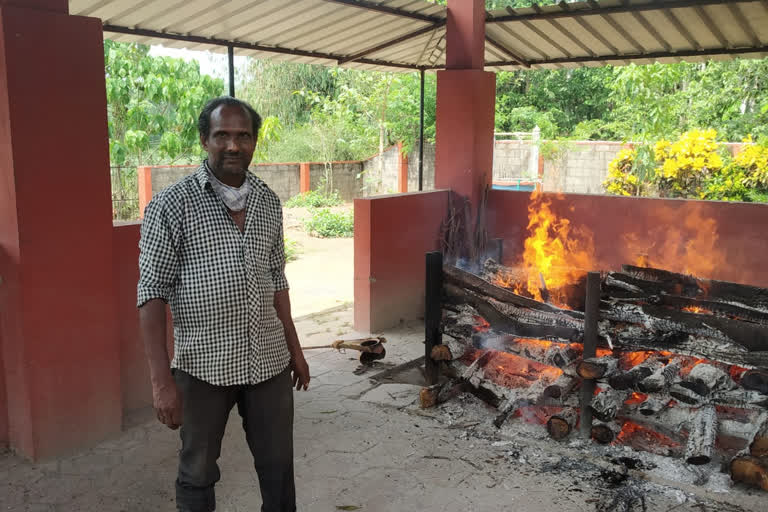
(219, 282)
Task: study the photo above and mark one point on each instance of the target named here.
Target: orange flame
(689, 245)
(697, 309)
(556, 253)
(632, 359)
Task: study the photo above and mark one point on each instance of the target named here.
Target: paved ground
(322, 277)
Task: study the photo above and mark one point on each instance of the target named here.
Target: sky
(214, 64)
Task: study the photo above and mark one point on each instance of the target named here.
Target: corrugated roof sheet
(410, 34)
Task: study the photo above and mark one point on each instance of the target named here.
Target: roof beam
(391, 42)
(683, 31)
(712, 26)
(507, 51)
(246, 46)
(619, 9)
(654, 33)
(370, 6)
(644, 56)
(744, 24)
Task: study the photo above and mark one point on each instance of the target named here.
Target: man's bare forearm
(153, 330)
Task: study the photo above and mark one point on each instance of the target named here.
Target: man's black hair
(204, 121)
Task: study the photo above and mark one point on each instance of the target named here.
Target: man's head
(228, 130)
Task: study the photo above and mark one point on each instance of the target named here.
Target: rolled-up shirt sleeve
(277, 259)
(158, 255)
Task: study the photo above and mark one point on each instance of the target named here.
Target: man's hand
(167, 402)
(300, 370)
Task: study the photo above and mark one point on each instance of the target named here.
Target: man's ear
(203, 143)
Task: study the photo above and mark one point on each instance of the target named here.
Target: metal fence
(125, 193)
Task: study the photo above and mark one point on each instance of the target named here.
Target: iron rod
(591, 316)
(432, 314)
(231, 59)
(421, 131)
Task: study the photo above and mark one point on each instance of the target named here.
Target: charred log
(661, 379)
(597, 367)
(653, 406)
(631, 378)
(701, 437)
(689, 286)
(744, 335)
(705, 378)
(756, 380)
(450, 349)
(606, 404)
(605, 432)
(560, 425)
(750, 470)
(528, 323)
(561, 388)
(479, 285)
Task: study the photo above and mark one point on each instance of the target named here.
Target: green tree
(153, 105)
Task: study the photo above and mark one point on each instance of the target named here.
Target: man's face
(230, 142)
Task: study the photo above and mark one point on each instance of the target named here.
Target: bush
(686, 164)
(621, 180)
(327, 224)
(314, 199)
(745, 178)
(292, 249)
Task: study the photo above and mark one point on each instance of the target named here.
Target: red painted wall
(392, 235)
(726, 241)
(60, 349)
(134, 371)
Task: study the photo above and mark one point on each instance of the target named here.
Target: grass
(314, 199)
(327, 224)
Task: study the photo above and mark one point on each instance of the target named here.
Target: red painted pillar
(58, 322)
(402, 169)
(304, 183)
(466, 98)
(144, 175)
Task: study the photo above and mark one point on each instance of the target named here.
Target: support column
(466, 97)
(304, 178)
(144, 176)
(58, 322)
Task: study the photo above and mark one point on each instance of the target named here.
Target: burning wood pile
(661, 361)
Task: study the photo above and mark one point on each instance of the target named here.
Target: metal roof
(410, 34)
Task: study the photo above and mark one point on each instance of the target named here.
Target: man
(212, 247)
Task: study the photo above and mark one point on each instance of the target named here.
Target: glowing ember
(636, 398)
(736, 373)
(697, 309)
(602, 352)
(632, 433)
(556, 253)
(481, 325)
(632, 359)
(512, 371)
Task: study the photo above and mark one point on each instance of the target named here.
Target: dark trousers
(267, 412)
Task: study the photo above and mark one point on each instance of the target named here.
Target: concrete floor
(360, 445)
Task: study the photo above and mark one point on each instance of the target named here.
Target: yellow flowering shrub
(753, 160)
(621, 181)
(684, 165)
